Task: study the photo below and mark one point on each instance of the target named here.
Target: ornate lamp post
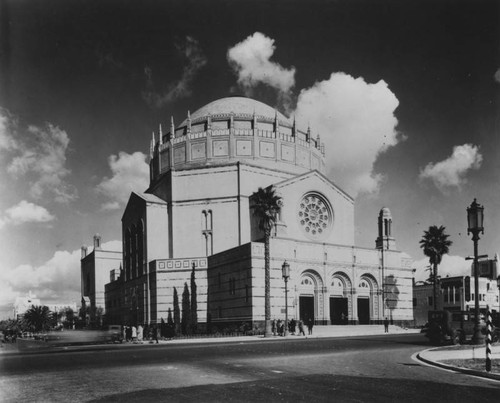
(475, 215)
(285, 271)
(498, 285)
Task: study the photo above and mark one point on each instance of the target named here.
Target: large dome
(233, 130)
(238, 106)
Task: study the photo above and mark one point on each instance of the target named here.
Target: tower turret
(385, 239)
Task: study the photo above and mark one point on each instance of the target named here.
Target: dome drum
(208, 139)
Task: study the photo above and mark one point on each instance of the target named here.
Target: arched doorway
(308, 290)
(363, 302)
(339, 301)
(367, 299)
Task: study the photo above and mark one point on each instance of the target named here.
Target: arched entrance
(339, 301)
(367, 299)
(363, 302)
(310, 283)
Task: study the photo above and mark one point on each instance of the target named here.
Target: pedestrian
(310, 324)
(273, 327)
(386, 325)
(301, 328)
(134, 334)
(140, 333)
(129, 333)
(155, 334)
(279, 326)
(293, 324)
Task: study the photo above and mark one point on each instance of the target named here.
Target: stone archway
(340, 301)
(367, 299)
(310, 296)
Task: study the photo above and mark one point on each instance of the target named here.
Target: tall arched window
(140, 247)
(133, 252)
(128, 258)
(206, 230)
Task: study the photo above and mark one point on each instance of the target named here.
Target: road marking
(276, 371)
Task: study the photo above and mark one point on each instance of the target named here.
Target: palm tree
(266, 205)
(435, 244)
(38, 318)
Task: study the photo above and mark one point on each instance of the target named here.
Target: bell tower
(385, 239)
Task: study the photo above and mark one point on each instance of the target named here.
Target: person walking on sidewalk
(386, 325)
(301, 328)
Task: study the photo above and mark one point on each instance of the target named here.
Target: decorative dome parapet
(237, 129)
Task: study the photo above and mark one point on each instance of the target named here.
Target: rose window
(315, 216)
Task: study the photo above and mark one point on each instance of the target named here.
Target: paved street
(373, 368)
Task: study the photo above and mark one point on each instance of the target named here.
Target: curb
(466, 371)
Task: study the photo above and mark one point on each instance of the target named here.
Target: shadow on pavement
(317, 388)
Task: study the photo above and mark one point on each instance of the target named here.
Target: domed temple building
(197, 213)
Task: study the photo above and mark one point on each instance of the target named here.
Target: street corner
(466, 359)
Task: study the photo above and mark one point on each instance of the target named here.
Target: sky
(403, 94)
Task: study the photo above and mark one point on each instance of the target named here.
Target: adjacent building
(457, 293)
(95, 273)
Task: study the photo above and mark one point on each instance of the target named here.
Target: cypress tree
(170, 325)
(177, 313)
(194, 302)
(186, 311)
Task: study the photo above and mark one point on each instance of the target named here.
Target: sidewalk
(463, 358)
(318, 332)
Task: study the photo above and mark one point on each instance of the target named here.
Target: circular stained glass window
(315, 216)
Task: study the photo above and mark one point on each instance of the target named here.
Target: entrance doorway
(306, 307)
(364, 311)
(338, 311)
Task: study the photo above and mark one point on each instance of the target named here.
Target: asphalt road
(361, 369)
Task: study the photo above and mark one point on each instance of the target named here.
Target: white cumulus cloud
(452, 171)
(130, 173)
(251, 61)
(55, 281)
(497, 76)
(356, 121)
(25, 212)
(38, 156)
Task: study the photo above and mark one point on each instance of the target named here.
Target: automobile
(115, 334)
(456, 327)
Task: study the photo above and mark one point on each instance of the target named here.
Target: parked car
(455, 327)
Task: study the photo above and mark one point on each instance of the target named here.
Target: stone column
(354, 317)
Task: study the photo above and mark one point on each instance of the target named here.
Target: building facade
(95, 269)
(457, 293)
(197, 213)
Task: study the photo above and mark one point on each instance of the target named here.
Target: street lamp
(475, 217)
(498, 285)
(285, 271)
